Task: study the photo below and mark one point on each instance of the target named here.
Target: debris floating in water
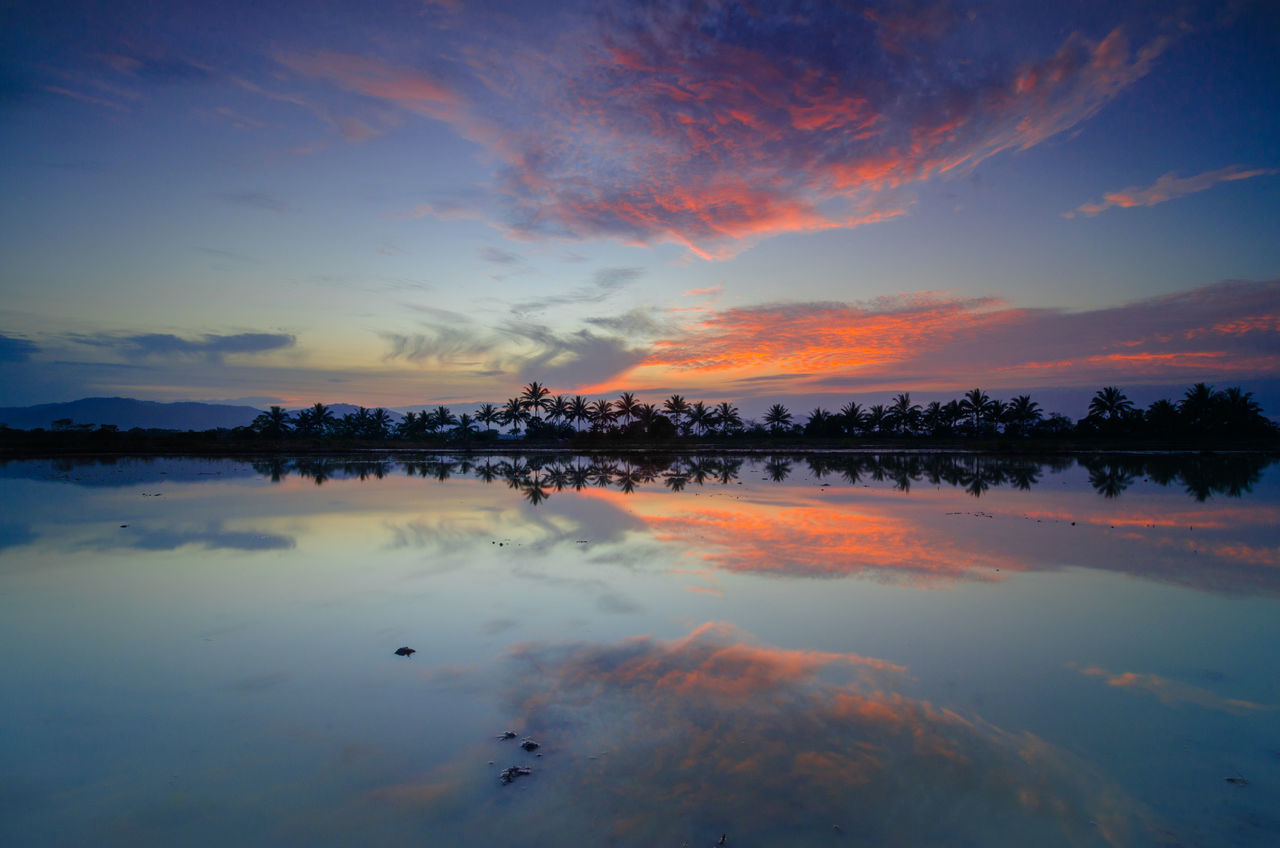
(508, 734)
(404, 652)
(530, 745)
(510, 773)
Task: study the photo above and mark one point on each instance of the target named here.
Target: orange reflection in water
(723, 733)
(804, 536)
(932, 537)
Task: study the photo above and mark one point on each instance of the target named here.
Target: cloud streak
(715, 125)
(1169, 187)
(1229, 330)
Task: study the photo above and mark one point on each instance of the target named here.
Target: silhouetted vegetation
(1202, 419)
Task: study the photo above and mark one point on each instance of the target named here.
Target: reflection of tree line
(538, 476)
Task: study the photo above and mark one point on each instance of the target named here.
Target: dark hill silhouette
(127, 413)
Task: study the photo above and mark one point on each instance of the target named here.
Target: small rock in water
(508, 734)
(530, 745)
(405, 652)
(509, 774)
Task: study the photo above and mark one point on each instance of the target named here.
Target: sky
(405, 204)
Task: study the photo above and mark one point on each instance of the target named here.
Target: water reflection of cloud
(719, 734)
(213, 538)
(1171, 692)
(14, 534)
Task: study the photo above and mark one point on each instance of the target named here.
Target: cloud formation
(210, 346)
(1228, 330)
(712, 125)
(14, 349)
(1168, 187)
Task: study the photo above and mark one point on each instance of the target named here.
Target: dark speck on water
(405, 652)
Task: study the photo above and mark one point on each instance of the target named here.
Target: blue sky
(438, 202)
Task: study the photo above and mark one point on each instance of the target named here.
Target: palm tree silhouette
(534, 398)
(727, 417)
(578, 410)
(558, 409)
(488, 415)
(626, 406)
(904, 414)
(777, 417)
(976, 403)
(677, 408)
(700, 416)
(601, 414)
(274, 422)
(514, 414)
(1109, 403)
(852, 417)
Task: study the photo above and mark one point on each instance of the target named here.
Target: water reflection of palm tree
(1110, 481)
(778, 468)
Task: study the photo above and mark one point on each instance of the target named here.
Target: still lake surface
(791, 650)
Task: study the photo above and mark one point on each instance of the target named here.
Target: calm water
(823, 650)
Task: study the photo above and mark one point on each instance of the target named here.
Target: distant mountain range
(127, 413)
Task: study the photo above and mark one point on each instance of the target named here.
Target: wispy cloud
(499, 256)
(259, 200)
(710, 127)
(1228, 330)
(1168, 187)
(1172, 692)
(604, 284)
(13, 349)
(210, 346)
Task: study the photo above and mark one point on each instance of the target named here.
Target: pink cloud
(666, 124)
(936, 342)
(1169, 187)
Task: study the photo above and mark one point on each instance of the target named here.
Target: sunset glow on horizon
(437, 202)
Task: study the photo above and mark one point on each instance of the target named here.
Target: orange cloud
(933, 342)
(780, 744)
(1168, 187)
(1174, 692)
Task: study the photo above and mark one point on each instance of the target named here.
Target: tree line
(1202, 413)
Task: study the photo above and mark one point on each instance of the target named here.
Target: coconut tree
(676, 408)
(578, 410)
(273, 423)
(558, 409)
(977, 405)
(852, 417)
(514, 414)
(1108, 404)
(877, 418)
(1197, 405)
(379, 426)
(488, 415)
(777, 417)
(727, 417)
(700, 416)
(466, 426)
(534, 398)
(601, 414)
(904, 414)
(626, 406)
(443, 418)
(1021, 414)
